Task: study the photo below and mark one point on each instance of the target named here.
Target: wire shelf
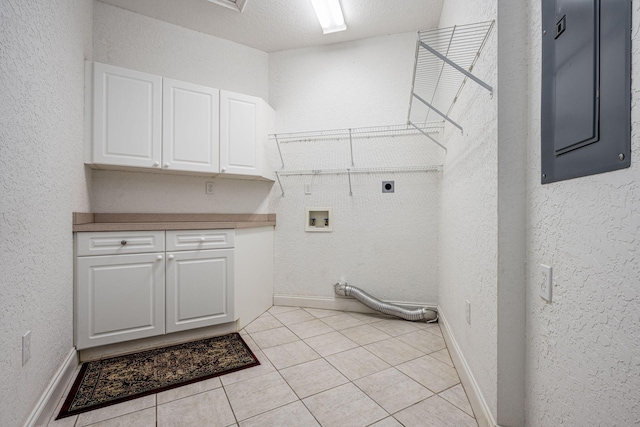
(365, 150)
(444, 62)
(435, 168)
(360, 133)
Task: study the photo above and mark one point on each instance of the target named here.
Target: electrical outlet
(547, 283)
(209, 188)
(388, 186)
(468, 305)
(26, 347)
(307, 189)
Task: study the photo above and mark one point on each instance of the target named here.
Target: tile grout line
(325, 360)
(389, 414)
(235, 417)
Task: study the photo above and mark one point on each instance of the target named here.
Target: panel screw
(544, 175)
(621, 157)
(544, 32)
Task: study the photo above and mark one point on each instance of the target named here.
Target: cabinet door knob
(123, 242)
(166, 165)
(159, 257)
(223, 169)
(202, 239)
(156, 164)
(170, 256)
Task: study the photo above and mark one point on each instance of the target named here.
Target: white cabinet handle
(156, 164)
(223, 169)
(159, 257)
(166, 165)
(202, 239)
(170, 257)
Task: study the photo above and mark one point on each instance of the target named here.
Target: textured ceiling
(275, 25)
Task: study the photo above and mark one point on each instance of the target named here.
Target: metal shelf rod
(280, 183)
(428, 136)
(279, 151)
(457, 67)
(440, 113)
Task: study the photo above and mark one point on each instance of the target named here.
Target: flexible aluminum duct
(423, 313)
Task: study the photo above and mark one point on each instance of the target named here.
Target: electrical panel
(586, 87)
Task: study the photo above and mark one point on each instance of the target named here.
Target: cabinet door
(127, 114)
(190, 127)
(240, 127)
(199, 289)
(119, 298)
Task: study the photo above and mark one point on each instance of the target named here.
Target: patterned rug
(118, 379)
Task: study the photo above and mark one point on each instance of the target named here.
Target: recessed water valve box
(318, 219)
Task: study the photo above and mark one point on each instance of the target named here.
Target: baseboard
(476, 399)
(43, 410)
(334, 303)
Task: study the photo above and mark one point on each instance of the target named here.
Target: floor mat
(118, 379)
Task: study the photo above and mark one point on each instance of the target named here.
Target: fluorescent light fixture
(330, 15)
(236, 5)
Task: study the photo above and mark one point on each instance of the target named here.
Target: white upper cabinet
(143, 121)
(240, 134)
(127, 112)
(190, 127)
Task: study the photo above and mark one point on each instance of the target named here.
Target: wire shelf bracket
(444, 61)
(428, 136)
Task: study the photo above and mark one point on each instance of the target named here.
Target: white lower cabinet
(197, 289)
(121, 296)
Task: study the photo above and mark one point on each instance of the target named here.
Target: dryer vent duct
(423, 313)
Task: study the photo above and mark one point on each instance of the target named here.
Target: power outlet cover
(26, 347)
(547, 283)
(468, 311)
(209, 188)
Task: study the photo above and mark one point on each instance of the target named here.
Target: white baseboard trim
(476, 399)
(53, 393)
(334, 303)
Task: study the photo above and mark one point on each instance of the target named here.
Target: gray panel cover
(573, 144)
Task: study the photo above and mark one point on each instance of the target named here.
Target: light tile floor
(318, 368)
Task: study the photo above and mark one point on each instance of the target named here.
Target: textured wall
(384, 243)
(42, 180)
(583, 364)
(468, 211)
(131, 40)
(150, 192)
(361, 83)
(511, 237)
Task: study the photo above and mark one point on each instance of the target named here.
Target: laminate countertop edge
(86, 222)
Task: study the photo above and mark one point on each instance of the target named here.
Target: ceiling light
(236, 5)
(330, 15)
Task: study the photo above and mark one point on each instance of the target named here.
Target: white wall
(384, 243)
(134, 41)
(42, 181)
(583, 360)
(469, 207)
(130, 40)
(354, 84)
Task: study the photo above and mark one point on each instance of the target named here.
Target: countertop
(153, 221)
